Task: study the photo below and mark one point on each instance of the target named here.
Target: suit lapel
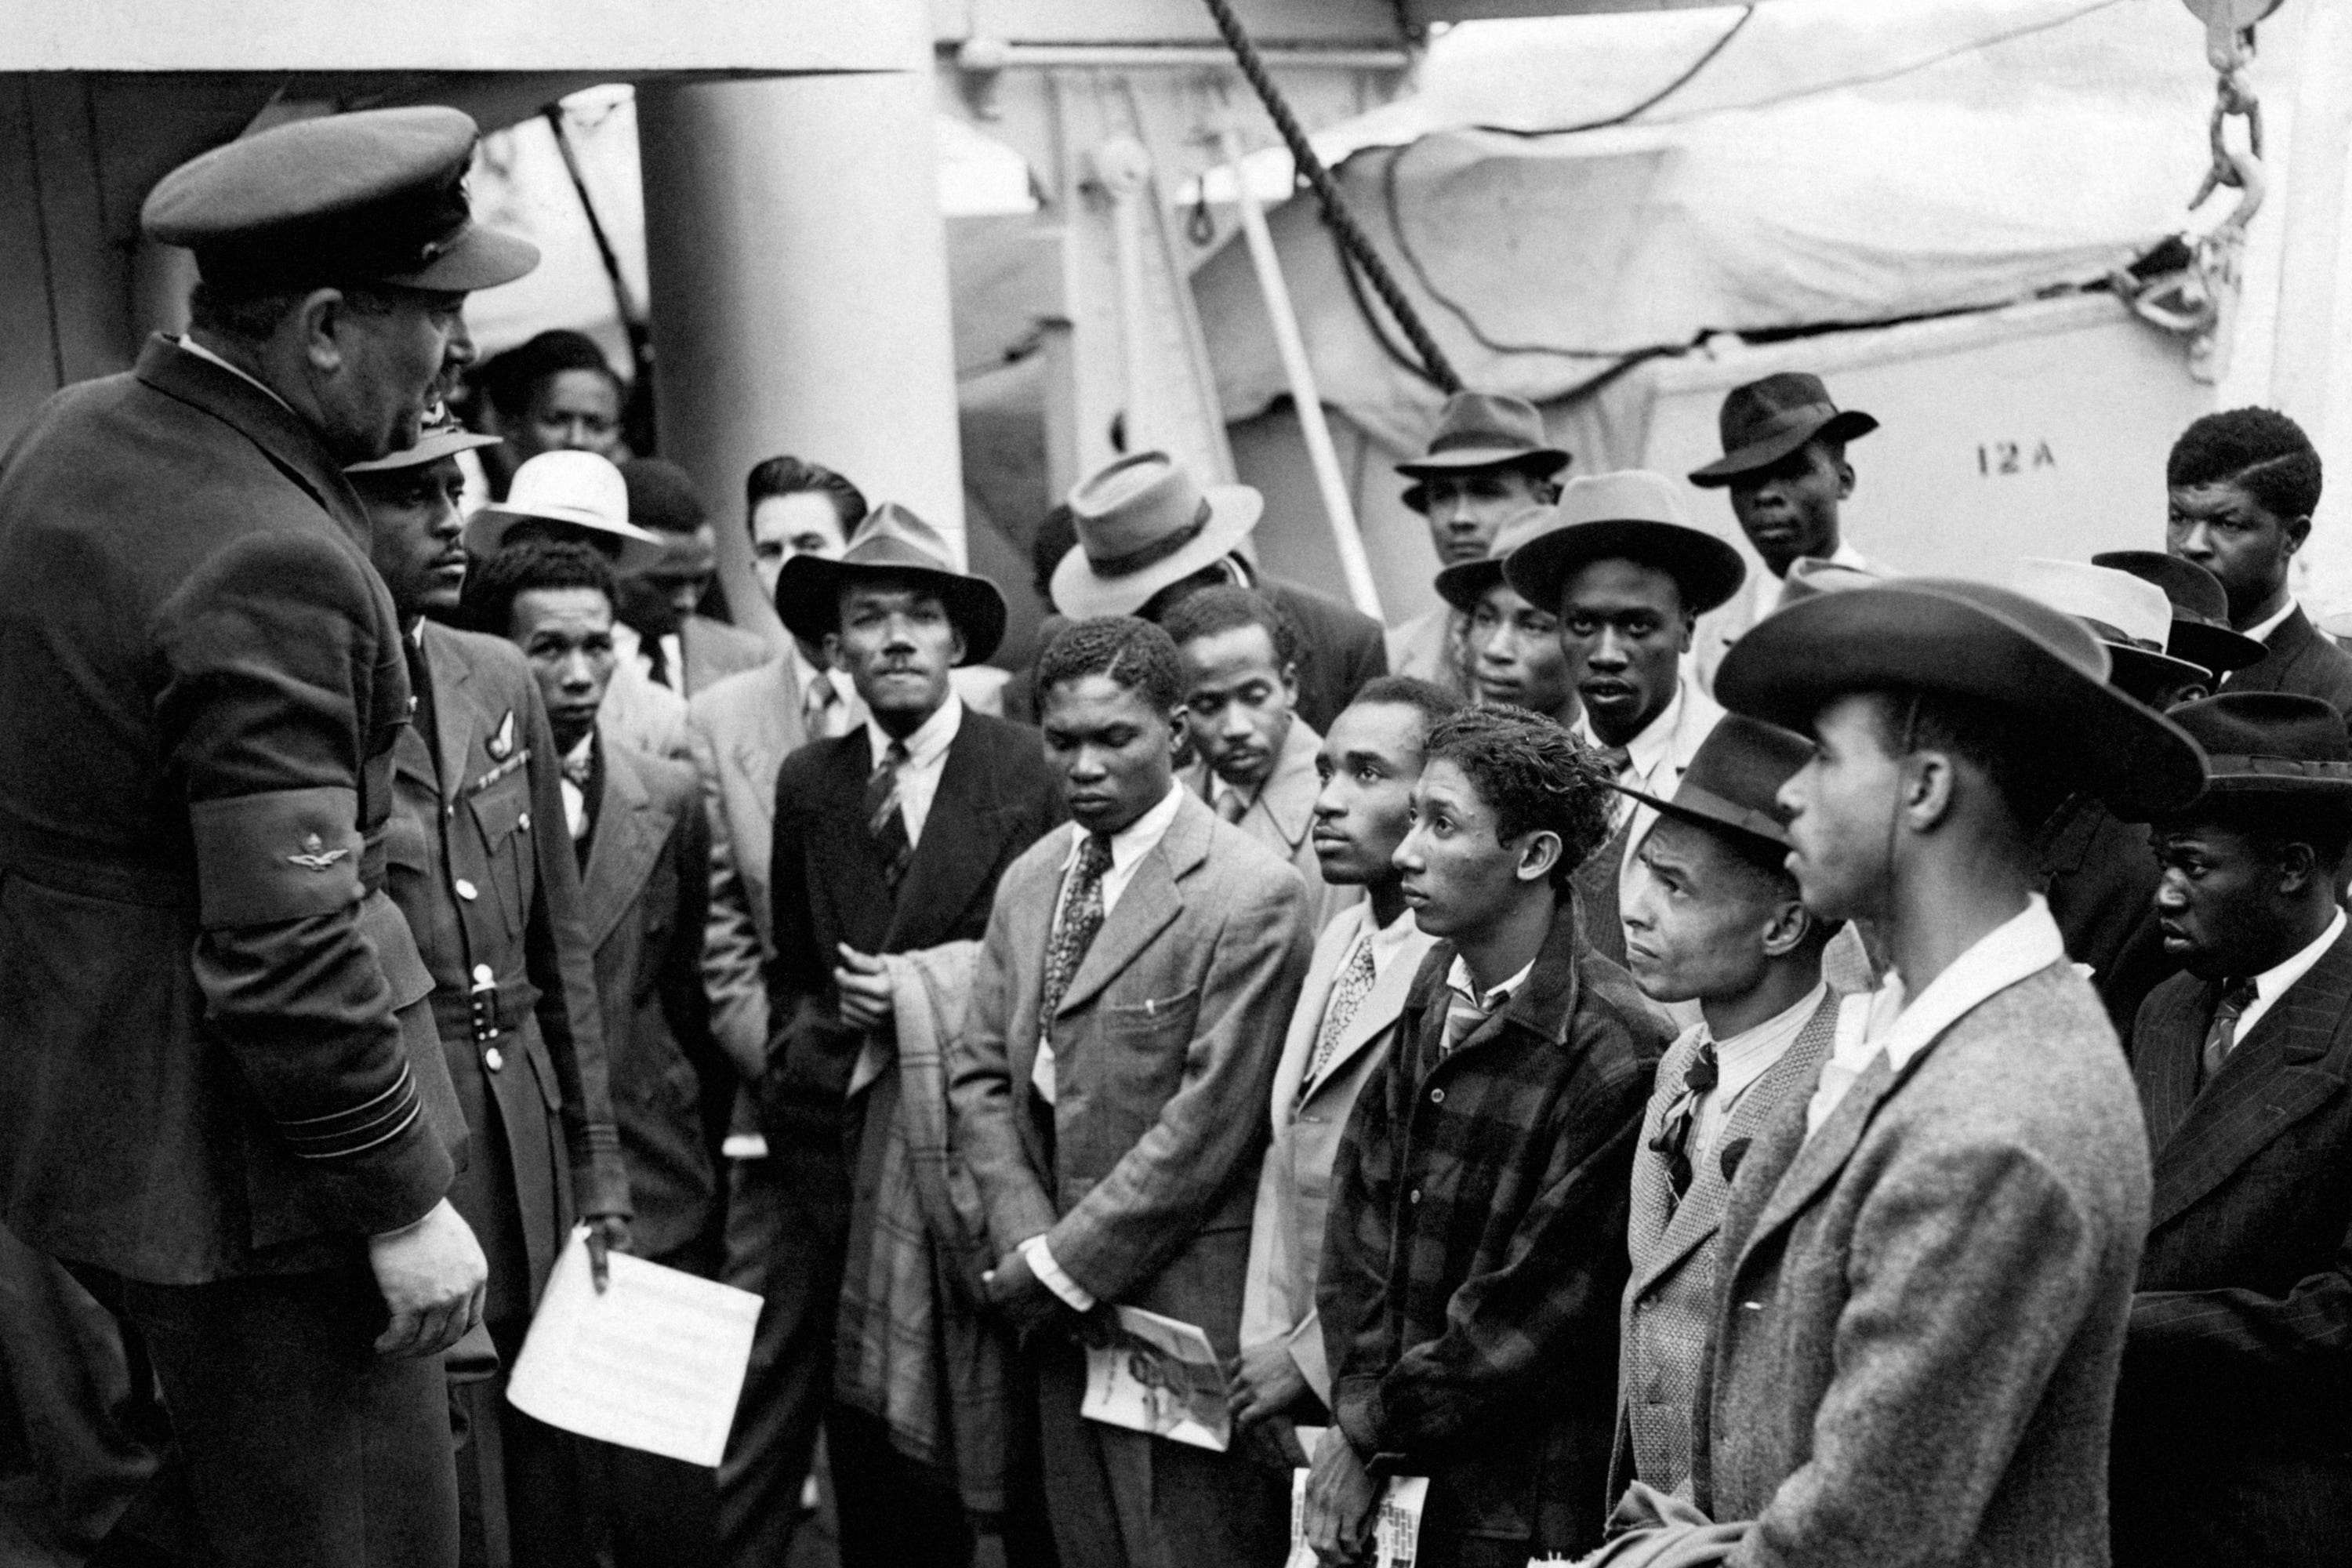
(627, 841)
(1288, 797)
(2166, 1052)
(961, 839)
(2273, 1078)
(1379, 1008)
(1148, 907)
(453, 711)
(1314, 995)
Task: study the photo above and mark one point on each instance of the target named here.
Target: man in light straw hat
(1927, 1264)
(568, 497)
(1487, 463)
(2230, 1419)
(214, 1112)
(1629, 578)
(1150, 534)
(889, 845)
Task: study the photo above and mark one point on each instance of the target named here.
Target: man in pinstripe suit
(2233, 1417)
(1715, 917)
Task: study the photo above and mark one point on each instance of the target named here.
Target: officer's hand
(1263, 1382)
(607, 1234)
(432, 1274)
(1342, 1502)
(864, 989)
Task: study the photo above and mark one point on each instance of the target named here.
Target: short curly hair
(2259, 449)
(491, 589)
(1132, 653)
(1535, 775)
(1212, 611)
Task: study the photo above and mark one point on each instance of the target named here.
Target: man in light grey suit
(1715, 919)
(1927, 1264)
(1363, 967)
(1135, 978)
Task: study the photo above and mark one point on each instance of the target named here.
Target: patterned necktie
(818, 699)
(1074, 931)
(2223, 1033)
(1348, 993)
(884, 823)
(1674, 1137)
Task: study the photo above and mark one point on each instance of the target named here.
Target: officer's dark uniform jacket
(481, 865)
(205, 1068)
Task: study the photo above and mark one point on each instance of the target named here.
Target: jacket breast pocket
(501, 815)
(1144, 1044)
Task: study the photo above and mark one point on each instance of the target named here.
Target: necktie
(818, 699)
(1231, 806)
(1616, 759)
(2223, 1033)
(1463, 1016)
(420, 686)
(884, 823)
(1674, 1137)
(656, 659)
(1074, 931)
(1348, 993)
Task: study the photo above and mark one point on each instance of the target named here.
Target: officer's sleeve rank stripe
(354, 1131)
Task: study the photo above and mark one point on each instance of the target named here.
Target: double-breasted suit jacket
(1674, 1246)
(1922, 1305)
(644, 892)
(201, 680)
(2233, 1419)
(1294, 1184)
(483, 869)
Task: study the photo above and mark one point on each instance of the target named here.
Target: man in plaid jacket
(1476, 1250)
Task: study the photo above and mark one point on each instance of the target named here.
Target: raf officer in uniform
(224, 1110)
(480, 867)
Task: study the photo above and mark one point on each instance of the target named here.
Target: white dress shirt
(926, 758)
(2018, 947)
(576, 799)
(2272, 983)
(2261, 632)
(1741, 1062)
(1129, 846)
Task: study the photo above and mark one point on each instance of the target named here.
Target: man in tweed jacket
(2233, 1420)
(1927, 1265)
(1475, 1247)
(1714, 919)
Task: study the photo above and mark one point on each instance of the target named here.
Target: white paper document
(1162, 1377)
(1396, 1532)
(654, 1362)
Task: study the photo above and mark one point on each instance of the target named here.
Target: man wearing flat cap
(1784, 466)
(2233, 1417)
(227, 1108)
(889, 844)
(1487, 462)
(1149, 535)
(1628, 576)
(1927, 1263)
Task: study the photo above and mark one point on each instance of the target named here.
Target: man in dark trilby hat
(2233, 1440)
(1715, 919)
(1487, 462)
(1784, 464)
(2200, 609)
(1628, 576)
(1150, 534)
(1926, 1263)
(889, 844)
(227, 1107)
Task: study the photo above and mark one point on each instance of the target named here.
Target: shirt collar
(2022, 946)
(1139, 837)
(2273, 982)
(203, 353)
(1646, 750)
(1458, 981)
(2261, 631)
(1766, 1041)
(578, 755)
(932, 737)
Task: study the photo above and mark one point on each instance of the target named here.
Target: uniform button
(466, 890)
(1413, 1197)
(1751, 1306)
(493, 1059)
(1436, 1097)
(522, 820)
(483, 975)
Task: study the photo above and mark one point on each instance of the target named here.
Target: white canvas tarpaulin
(1833, 163)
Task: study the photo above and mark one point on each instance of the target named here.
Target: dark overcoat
(2301, 660)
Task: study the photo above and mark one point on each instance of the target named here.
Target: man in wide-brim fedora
(889, 841)
(1487, 462)
(1926, 1262)
(2233, 1438)
(1150, 534)
(2201, 610)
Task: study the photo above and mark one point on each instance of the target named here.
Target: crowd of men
(1830, 1068)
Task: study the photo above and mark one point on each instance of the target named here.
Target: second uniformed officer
(213, 1111)
(483, 869)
